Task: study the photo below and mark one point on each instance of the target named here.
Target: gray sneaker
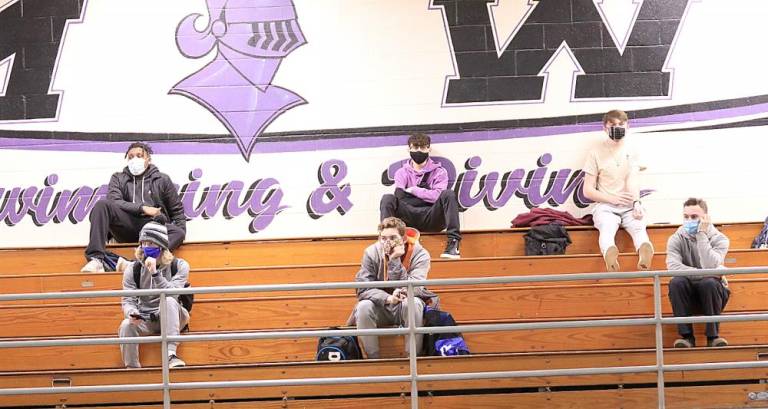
(93, 266)
(175, 362)
(683, 343)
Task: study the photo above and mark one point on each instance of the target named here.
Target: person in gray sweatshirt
(397, 255)
(697, 244)
(142, 314)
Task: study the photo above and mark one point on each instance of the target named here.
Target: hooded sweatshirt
(151, 304)
(702, 250)
(151, 188)
(427, 190)
(372, 269)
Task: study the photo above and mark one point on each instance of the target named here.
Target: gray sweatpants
(369, 316)
(608, 218)
(178, 317)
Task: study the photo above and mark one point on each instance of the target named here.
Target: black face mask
(617, 133)
(419, 157)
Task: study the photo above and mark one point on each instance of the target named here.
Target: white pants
(609, 218)
(178, 317)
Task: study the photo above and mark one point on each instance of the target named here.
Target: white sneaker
(93, 266)
(175, 362)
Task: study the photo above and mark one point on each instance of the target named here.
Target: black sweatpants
(108, 218)
(424, 216)
(707, 295)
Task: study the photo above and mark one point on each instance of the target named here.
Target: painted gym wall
(282, 118)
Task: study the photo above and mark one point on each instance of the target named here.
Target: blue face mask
(691, 226)
(153, 252)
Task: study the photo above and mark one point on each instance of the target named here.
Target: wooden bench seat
(468, 303)
(476, 363)
(303, 349)
(464, 268)
(344, 250)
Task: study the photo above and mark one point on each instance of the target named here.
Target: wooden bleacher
(503, 243)
(299, 261)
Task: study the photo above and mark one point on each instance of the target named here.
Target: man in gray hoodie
(396, 256)
(697, 244)
(142, 314)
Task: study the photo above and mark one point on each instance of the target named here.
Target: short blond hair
(615, 114)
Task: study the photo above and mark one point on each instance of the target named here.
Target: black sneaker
(451, 250)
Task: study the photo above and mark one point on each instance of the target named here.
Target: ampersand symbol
(330, 196)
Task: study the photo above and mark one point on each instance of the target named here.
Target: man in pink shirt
(422, 198)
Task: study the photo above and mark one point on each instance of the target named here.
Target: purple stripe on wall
(363, 141)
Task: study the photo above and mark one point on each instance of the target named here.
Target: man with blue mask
(697, 244)
(137, 195)
(156, 268)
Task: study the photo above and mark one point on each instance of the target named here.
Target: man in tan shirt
(611, 173)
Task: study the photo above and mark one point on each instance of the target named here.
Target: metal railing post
(659, 340)
(164, 351)
(412, 353)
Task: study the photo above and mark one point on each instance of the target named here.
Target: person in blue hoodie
(422, 198)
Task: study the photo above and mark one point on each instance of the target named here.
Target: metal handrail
(413, 377)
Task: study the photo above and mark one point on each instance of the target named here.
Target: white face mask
(136, 166)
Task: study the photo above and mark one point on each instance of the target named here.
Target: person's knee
(709, 286)
(171, 303)
(101, 206)
(365, 309)
(447, 195)
(677, 284)
(418, 304)
(388, 200)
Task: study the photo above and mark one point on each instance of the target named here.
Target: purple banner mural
(251, 37)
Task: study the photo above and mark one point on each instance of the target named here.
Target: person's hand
(624, 199)
(397, 251)
(403, 294)
(704, 223)
(398, 296)
(135, 319)
(637, 211)
(151, 211)
(151, 264)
